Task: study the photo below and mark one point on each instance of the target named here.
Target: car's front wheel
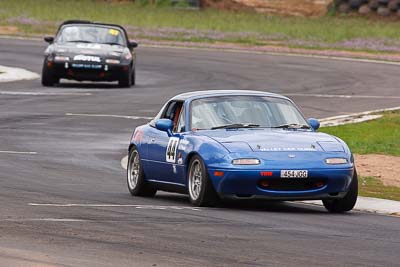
(126, 79)
(48, 78)
(137, 184)
(133, 81)
(201, 190)
(346, 203)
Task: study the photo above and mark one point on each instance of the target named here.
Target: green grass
(373, 187)
(328, 29)
(381, 136)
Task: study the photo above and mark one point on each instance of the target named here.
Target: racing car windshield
(90, 34)
(245, 112)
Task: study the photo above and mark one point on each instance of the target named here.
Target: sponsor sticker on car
(172, 147)
(87, 58)
(113, 32)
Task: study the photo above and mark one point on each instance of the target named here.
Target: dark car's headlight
(61, 58)
(113, 61)
(126, 55)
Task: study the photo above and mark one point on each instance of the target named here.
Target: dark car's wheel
(126, 79)
(201, 190)
(137, 184)
(133, 80)
(346, 203)
(48, 78)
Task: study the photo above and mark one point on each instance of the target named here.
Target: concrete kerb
(355, 117)
(8, 74)
(371, 205)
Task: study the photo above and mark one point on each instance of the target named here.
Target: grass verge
(165, 23)
(381, 136)
(373, 187)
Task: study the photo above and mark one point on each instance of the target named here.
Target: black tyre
(133, 81)
(137, 184)
(346, 203)
(126, 79)
(48, 78)
(201, 190)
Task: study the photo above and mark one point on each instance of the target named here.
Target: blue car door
(162, 150)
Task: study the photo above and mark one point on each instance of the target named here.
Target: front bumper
(83, 71)
(321, 183)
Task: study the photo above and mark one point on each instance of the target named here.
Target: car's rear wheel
(48, 78)
(346, 203)
(137, 184)
(126, 79)
(201, 190)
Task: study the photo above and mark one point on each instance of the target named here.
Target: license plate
(86, 66)
(294, 173)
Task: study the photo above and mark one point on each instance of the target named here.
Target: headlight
(113, 61)
(126, 54)
(61, 58)
(334, 161)
(246, 162)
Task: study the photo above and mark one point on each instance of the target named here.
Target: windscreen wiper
(79, 41)
(112, 43)
(236, 125)
(292, 126)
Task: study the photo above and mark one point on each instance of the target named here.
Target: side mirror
(165, 125)
(132, 44)
(314, 123)
(49, 39)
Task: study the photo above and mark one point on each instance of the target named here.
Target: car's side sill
(169, 186)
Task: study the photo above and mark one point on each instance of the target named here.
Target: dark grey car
(88, 51)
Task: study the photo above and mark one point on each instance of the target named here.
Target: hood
(267, 140)
(89, 49)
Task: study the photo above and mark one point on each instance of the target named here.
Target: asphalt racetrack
(63, 194)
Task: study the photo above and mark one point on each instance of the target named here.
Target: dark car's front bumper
(84, 71)
(320, 184)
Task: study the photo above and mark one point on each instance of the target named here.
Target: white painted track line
(152, 207)
(109, 115)
(18, 152)
(45, 220)
(43, 93)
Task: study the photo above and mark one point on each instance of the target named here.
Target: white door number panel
(170, 154)
(294, 174)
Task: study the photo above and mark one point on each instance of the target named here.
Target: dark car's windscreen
(208, 113)
(90, 34)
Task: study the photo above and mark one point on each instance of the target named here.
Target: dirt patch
(383, 167)
(8, 30)
(309, 8)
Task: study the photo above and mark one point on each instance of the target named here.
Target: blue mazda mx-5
(240, 144)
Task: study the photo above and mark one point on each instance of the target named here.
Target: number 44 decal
(170, 154)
